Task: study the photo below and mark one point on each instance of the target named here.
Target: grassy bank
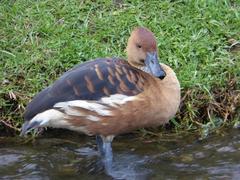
(39, 40)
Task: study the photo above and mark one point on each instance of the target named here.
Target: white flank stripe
(100, 107)
(90, 105)
(45, 118)
(54, 118)
(72, 111)
(117, 99)
(93, 118)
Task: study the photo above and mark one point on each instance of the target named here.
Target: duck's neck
(138, 66)
(164, 94)
(132, 63)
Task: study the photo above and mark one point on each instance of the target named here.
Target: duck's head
(142, 52)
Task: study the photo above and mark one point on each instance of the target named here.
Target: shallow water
(75, 157)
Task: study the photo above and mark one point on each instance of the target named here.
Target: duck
(106, 97)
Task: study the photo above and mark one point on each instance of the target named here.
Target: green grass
(39, 40)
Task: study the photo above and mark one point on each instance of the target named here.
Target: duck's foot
(105, 149)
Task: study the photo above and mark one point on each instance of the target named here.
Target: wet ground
(75, 157)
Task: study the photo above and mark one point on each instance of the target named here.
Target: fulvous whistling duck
(109, 96)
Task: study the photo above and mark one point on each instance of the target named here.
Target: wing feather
(92, 80)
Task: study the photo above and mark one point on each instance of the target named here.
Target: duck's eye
(139, 46)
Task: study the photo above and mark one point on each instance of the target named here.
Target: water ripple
(216, 157)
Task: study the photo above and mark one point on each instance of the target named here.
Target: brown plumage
(142, 112)
(151, 101)
(84, 83)
(107, 97)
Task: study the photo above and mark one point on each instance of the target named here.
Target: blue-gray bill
(153, 65)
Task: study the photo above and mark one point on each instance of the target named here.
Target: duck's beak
(153, 65)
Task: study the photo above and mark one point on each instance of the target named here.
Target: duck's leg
(105, 149)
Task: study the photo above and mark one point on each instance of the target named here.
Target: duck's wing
(92, 80)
